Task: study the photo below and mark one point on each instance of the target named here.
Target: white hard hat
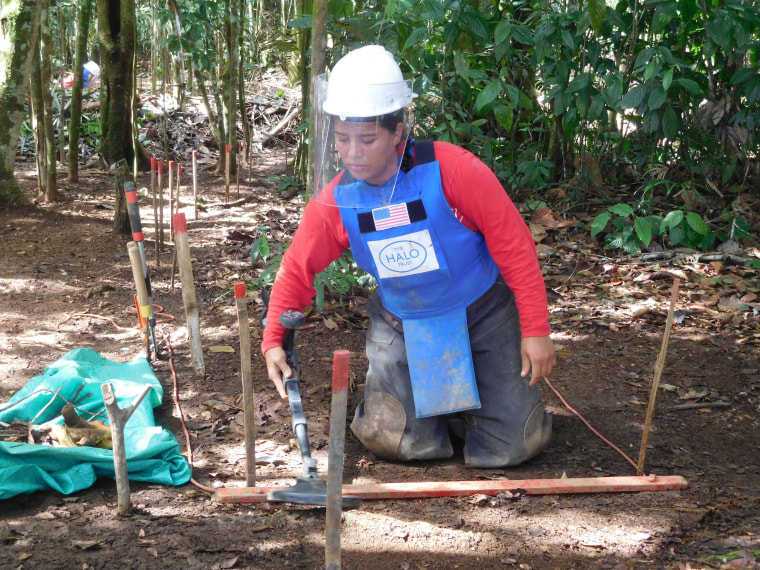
(367, 82)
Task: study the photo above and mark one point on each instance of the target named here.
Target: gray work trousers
(511, 425)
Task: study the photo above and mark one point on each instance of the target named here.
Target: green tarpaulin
(153, 453)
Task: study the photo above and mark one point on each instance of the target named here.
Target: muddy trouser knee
(385, 420)
(510, 427)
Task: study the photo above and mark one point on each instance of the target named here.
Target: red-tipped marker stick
(176, 200)
(188, 292)
(133, 210)
(335, 459)
(161, 204)
(247, 379)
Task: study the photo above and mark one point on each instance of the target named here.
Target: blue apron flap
(440, 364)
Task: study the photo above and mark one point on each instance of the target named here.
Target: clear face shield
(364, 150)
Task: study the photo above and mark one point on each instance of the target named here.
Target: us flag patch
(391, 216)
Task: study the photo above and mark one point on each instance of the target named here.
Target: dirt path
(61, 261)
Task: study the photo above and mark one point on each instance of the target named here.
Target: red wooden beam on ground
(422, 490)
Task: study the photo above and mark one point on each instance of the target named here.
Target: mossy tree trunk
(317, 67)
(46, 77)
(85, 13)
(17, 38)
(37, 116)
(116, 35)
(230, 81)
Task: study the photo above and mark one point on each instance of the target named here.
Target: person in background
(458, 334)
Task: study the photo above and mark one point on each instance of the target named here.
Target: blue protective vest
(429, 268)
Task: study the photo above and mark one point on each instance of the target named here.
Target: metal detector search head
(309, 488)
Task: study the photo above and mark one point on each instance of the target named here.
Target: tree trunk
(64, 65)
(116, 34)
(299, 59)
(230, 82)
(241, 80)
(17, 37)
(318, 65)
(37, 113)
(46, 81)
(212, 119)
(85, 11)
(155, 47)
(179, 58)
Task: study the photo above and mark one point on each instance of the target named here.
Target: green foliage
(284, 182)
(633, 233)
(270, 255)
(338, 279)
(529, 87)
(688, 229)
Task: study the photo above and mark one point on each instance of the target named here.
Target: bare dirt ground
(61, 261)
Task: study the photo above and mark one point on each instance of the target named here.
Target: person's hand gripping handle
(281, 361)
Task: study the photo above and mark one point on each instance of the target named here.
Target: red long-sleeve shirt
(479, 202)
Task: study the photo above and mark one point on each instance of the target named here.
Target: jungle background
(626, 133)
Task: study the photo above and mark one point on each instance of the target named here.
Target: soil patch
(66, 283)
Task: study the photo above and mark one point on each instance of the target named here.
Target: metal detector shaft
(133, 210)
(293, 320)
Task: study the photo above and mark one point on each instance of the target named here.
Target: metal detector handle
(133, 210)
(293, 320)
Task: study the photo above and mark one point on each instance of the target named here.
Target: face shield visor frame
(328, 163)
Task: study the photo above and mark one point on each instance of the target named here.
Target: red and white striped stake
(195, 183)
(249, 425)
(182, 248)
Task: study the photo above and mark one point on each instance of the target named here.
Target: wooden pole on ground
(188, 291)
(247, 379)
(658, 367)
(195, 184)
(227, 175)
(432, 489)
(335, 459)
(155, 207)
(118, 418)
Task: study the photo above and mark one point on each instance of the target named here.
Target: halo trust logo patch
(404, 255)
